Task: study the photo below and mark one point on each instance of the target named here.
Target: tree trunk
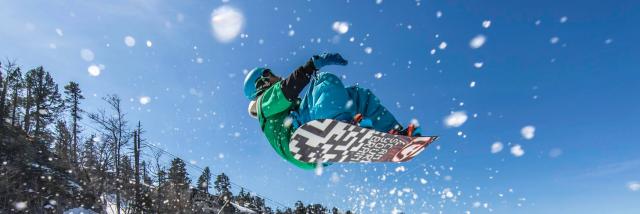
(27, 110)
(14, 109)
(3, 97)
(3, 93)
(36, 118)
(74, 136)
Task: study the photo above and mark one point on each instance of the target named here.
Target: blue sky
(579, 92)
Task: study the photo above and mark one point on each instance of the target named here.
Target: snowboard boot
(359, 120)
(412, 130)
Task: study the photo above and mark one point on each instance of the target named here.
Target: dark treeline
(52, 160)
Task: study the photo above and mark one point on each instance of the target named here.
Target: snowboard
(332, 141)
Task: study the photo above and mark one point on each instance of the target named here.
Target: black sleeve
(297, 80)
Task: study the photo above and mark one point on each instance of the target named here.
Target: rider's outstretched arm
(297, 80)
(293, 85)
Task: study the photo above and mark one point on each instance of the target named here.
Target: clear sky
(569, 69)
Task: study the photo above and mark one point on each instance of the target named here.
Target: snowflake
(528, 132)
(477, 41)
(87, 55)
(516, 150)
(227, 22)
(129, 41)
(486, 23)
(94, 70)
(496, 147)
(340, 27)
(456, 119)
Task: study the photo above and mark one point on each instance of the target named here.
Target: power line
(198, 167)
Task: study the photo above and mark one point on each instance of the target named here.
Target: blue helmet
(250, 82)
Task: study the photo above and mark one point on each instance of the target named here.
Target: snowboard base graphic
(333, 141)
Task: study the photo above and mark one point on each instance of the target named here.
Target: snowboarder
(275, 103)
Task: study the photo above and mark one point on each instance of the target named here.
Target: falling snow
(94, 70)
(87, 55)
(563, 19)
(129, 41)
(517, 151)
(227, 23)
(368, 50)
(340, 27)
(477, 41)
(486, 23)
(496, 147)
(634, 186)
(555, 152)
(528, 132)
(442, 45)
(608, 41)
(59, 32)
(20, 205)
(144, 100)
(455, 119)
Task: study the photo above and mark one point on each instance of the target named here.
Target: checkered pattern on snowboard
(333, 141)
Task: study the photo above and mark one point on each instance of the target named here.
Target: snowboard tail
(333, 141)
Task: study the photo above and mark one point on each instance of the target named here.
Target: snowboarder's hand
(324, 59)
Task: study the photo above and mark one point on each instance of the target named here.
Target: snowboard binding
(412, 130)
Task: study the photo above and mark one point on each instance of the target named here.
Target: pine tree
(204, 181)
(335, 210)
(72, 102)
(62, 143)
(6, 81)
(126, 186)
(223, 186)
(146, 191)
(28, 100)
(10, 91)
(268, 210)
(288, 211)
(316, 209)
(179, 183)
(88, 158)
(243, 197)
(43, 96)
(299, 208)
(88, 174)
(178, 174)
(14, 84)
(162, 190)
(258, 203)
(3, 94)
